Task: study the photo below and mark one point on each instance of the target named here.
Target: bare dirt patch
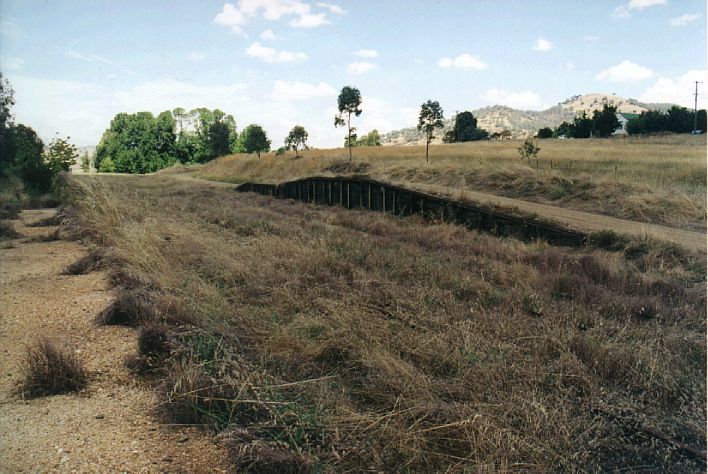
(108, 426)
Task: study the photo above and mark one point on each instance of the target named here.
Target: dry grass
(319, 338)
(658, 180)
(48, 370)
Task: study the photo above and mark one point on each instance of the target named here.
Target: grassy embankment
(660, 180)
(321, 338)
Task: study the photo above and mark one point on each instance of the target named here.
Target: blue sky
(75, 64)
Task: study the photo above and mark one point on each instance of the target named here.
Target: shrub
(48, 370)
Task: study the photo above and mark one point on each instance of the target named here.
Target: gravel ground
(109, 426)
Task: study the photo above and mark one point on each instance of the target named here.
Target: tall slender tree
(296, 138)
(348, 103)
(430, 118)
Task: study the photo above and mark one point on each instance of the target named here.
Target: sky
(75, 64)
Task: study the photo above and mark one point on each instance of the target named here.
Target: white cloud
(195, 56)
(231, 17)
(268, 35)
(287, 91)
(684, 20)
(590, 38)
(625, 11)
(336, 9)
(87, 57)
(10, 64)
(543, 45)
(568, 66)
(677, 90)
(360, 67)
(309, 20)
(642, 4)
(236, 17)
(271, 55)
(525, 100)
(273, 9)
(366, 53)
(463, 61)
(626, 71)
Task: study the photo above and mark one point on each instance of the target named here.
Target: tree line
(604, 123)
(143, 143)
(676, 120)
(23, 155)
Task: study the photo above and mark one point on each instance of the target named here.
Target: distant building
(623, 119)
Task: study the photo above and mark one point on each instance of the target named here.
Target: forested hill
(522, 123)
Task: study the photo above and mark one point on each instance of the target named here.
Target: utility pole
(695, 107)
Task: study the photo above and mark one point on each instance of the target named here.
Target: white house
(623, 119)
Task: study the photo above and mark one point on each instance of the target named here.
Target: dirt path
(578, 220)
(108, 428)
(589, 222)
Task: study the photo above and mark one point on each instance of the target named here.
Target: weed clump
(86, 264)
(249, 454)
(608, 240)
(47, 370)
(7, 232)
(130, 308)
(50, 221)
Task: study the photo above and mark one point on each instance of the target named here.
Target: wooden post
(349, 206)
(341, 192)
(330, 192)
(383, 205)
(393, 198)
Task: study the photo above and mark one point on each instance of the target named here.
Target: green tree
(348, 103)
(565, 129)
(605, 122)
(61, 155)
(545, 132)
(254, 140)
(679, 120)
(28, 161)
(7, 100)
(581, 126)
(701, 120)
(430, 118)
(373, 138)
(85, 162)
(465, 127)
(296, 138)
(107, 166)
(138, 143)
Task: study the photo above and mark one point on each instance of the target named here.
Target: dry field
(660, 180)
(321, 339)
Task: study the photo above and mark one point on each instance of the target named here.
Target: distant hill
(524, 123)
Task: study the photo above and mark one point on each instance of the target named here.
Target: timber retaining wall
(364, 193)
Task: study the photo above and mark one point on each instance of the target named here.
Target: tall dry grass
(657, 180)
(323, 339)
